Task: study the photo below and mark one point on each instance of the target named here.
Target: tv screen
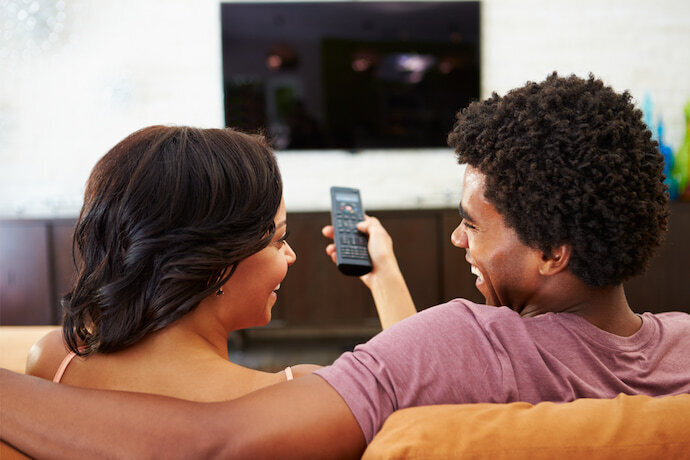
(349, 75)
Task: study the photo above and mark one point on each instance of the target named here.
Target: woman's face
(253, 288)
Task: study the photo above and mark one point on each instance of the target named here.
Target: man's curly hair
(570, 161)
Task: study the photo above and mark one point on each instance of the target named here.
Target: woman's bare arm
(304, 418)
(386, 283)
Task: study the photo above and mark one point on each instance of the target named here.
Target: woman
(181, 240)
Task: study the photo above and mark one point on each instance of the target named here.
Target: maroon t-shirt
(461, 352)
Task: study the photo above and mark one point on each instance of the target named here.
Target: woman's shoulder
(46, 355)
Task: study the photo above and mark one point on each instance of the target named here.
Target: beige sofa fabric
(15, 343)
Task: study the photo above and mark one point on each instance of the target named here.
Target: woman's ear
(556, 261)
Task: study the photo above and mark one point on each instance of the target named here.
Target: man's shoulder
(670, 315)
(459, 312)
(670, 320)
(456, 318)
(462, 306)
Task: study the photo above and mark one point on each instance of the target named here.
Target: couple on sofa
(563, 200)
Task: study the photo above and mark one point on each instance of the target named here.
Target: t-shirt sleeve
(438, 356)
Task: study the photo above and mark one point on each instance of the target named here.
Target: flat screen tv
(349, 75)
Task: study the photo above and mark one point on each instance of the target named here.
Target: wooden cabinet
(25, 273)
(666, 284)
(315, 300)
(36, 269)
(64, 271)
(316, 294)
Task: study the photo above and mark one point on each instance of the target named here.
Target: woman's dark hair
(570, 161)
(168, 214)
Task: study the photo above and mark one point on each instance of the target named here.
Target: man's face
(507, 270)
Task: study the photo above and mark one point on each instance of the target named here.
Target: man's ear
(556, 261)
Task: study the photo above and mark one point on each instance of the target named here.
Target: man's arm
(386, 283)
(304, 418)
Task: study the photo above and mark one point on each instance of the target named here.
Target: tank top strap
(63, 365)
(288, 373)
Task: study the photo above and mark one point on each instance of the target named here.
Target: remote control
(351, 244)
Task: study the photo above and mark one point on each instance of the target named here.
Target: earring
(219, 291)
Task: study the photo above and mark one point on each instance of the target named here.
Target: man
(563, 200)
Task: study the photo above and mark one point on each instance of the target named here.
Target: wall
(87, 73)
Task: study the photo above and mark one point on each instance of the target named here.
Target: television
(349, 75)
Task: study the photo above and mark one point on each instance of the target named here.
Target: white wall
(114, 66)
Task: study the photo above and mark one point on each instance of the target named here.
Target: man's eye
(468, 225)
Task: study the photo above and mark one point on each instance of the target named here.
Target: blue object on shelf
(669, 159)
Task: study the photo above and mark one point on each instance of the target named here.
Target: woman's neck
(193, 333)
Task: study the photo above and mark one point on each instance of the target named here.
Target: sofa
(15, 343)
(624, 427)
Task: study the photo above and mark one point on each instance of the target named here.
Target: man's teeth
(475, 271)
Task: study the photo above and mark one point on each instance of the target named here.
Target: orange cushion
(8, 452)
(630, 427)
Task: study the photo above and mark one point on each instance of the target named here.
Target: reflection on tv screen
(349, 75)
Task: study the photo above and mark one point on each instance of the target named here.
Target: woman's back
(193, 372)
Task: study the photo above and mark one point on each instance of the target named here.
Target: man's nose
(459, 237)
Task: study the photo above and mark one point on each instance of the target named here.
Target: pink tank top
(68, 359)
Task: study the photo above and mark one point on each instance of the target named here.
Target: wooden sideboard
(315, 300)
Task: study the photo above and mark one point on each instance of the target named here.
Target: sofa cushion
(15, 343)
(630, 427)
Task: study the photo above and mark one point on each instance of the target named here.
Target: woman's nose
(290, 255)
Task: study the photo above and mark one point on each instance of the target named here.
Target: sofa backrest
(625, 427)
